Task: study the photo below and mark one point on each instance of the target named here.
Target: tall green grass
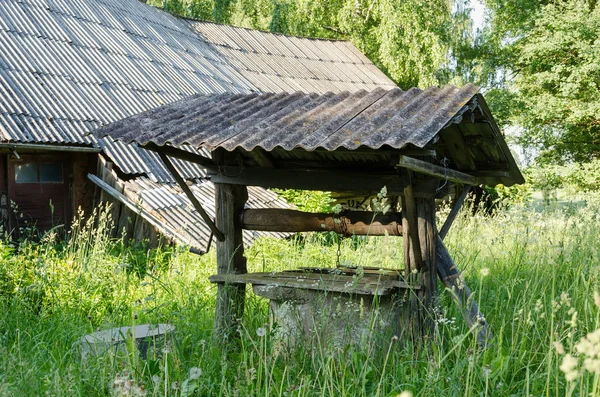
(533, 273)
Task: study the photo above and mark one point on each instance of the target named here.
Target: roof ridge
(192, 19)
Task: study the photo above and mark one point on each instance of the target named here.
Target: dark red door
(39, 191)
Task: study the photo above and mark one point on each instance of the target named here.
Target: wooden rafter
(436, 171)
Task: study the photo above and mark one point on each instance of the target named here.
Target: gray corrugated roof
(293, 63)
(70, 66)
(372, 119)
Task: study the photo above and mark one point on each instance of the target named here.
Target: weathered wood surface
(190, 195)
(454, 281)
(436, 171)
(419, 259)
(454, 212)
(137, 211)
(347, 223)
(383, 273)
(372, 285)
(307, 179)
(461, 294)
(229, 202)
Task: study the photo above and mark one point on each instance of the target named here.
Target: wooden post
(229, 203)
(420, 238)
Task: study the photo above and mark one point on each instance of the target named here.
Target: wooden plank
(384, 287)
(461, 294)
(328, 276)
(190, 195)
(412, 253)
(308, 179)
(352, 270)
(436, 171)
(454, 212)
(459, 150)
(262, 158)
(347, 223)
(419, 259)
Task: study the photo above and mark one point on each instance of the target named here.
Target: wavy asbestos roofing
(289, 64)
(68, 67)
(371, 119)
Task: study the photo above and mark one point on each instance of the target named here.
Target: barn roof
(68, 67)
(454, 123)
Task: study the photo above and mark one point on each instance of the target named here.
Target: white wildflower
(405, 393)
(597, 299)
(565, 299)
(560, 349)
(262, 331)
(569, 367)
(484, 272)
(195, 373)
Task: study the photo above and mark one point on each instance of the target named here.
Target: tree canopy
(541, 61)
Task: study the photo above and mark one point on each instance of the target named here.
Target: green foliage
(307, 200)
(559, 78)
(543, 60)
(535, 284)
(585, 177)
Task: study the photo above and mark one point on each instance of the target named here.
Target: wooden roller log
(348, 223)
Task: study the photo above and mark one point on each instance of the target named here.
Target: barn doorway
(39, 192)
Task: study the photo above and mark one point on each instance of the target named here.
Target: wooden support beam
(229, 202)
(307, 179)
(181, 154)
(348, 223)
(412, 254)
(190, 195)
(262, 158)
(454, 281)
(461, 294)
(419, 231)
(436, 171)
(454, 212)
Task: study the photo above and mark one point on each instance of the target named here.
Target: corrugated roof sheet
(293, 63)
(372, 119)
(68, 67)
(170, 205)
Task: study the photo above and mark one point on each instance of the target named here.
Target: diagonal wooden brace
(190, 195)
(454, 282)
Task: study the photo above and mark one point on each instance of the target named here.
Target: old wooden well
(418, 145)
(331, 306)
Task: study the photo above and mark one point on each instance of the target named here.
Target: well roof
(441, 119)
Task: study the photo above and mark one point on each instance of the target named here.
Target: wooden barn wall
(127, 223)
(4, 202)
(31, 208)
